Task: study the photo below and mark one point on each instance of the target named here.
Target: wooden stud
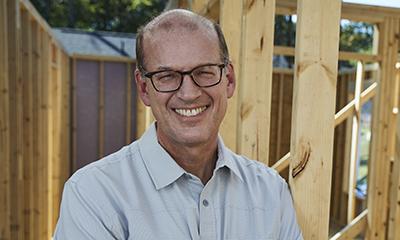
(394, 204)
(5, 133)
(354, 155)
(16, 120)
(230, 20)
(128, 126)
(101, 109)
(379, 164)
(256, 72)
(26, 49)
(280, 113)
(312, 132)
(36, 81)
(102, 58)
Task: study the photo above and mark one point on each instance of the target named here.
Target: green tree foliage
(100, 15)
(354, 36)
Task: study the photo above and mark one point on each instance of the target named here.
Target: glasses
(206, 75)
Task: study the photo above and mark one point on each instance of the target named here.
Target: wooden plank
(317, 34)
(27, 5)
(355, 227)
(128, 126)
(343, 55)
(282, 163)
(348, 110)
(103, 58)
(231, 20)
(44, 165)
(101, 109)
(28, 122)
(354, 152)
(5, 133)
(74, 117)
(36, 82)
(256, 72)
(16, 120)
(394, 213)
(394, 204)
(280, 113)
(379, 164)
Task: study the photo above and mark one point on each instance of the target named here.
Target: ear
(142, 87)
(230, 76)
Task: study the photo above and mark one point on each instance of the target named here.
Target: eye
(166, 76)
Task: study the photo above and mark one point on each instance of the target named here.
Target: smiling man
(179, 181)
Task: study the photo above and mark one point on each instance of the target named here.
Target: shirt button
(205, 203)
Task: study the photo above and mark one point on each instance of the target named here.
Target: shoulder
(109, 166)
(256, 173)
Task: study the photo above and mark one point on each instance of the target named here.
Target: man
(179, 181)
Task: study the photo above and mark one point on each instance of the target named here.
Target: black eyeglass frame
(190, 73)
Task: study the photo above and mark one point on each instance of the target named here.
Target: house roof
(97, 43)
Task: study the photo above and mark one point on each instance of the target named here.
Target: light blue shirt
(140, 192)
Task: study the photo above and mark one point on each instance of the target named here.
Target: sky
(384, 3)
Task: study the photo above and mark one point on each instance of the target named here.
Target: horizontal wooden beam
(354, 228)
(103, 58)
(350, 11)
(289, 51)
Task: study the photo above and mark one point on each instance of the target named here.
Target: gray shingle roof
(99, 43)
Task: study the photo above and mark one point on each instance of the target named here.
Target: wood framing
(312, 132)
(256, 72)
(354, 152)
(28, 122)
(379, 164)
(5, 133)
(16, 121)
(354, 228)
(230, 20)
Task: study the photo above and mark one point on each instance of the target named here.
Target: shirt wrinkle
(140, 192)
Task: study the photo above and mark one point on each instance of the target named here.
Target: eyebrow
(174, 69)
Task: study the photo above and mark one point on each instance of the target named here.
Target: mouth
(190, 112)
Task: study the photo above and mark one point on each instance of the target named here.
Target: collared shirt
(140, 192)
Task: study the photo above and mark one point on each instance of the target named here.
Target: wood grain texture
(312, 131)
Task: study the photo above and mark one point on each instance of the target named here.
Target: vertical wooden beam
(256, 72)
(394, 218)
(280, 118)
(230, 20)
(354, 154)
(28, 121)
(36, 82)
(314, 92)
(128, 126)
(101, 109)
(394, 212)
(379, 164)
(16, 120)
(5, 133)
(73, 113)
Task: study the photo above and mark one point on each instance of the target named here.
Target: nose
(188, 91)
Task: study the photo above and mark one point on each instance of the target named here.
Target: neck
(198, 159)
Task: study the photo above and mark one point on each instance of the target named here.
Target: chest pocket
(243, 223)
(154, 225)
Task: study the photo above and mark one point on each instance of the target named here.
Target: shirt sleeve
(81, 217)
(289, 227)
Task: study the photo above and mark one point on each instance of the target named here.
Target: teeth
(190, 112)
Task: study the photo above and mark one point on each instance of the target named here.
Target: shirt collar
(162, 167)
(226, 159)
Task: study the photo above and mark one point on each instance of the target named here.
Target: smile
(190, 112)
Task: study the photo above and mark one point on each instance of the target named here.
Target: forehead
(181, 47)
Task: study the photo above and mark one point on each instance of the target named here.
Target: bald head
(176, 22)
